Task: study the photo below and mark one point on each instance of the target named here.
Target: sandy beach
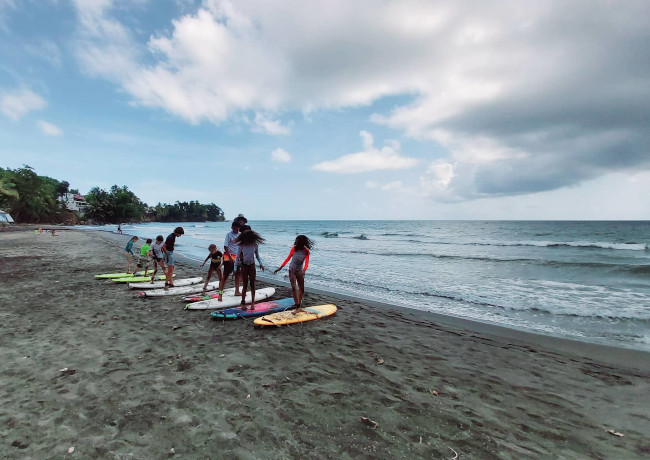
(85, 365)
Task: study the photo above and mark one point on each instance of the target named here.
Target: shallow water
(582, 280)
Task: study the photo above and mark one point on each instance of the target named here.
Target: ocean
(582, 280)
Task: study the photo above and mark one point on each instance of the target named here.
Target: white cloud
(388, 158)
(437, 178)
(18, 103)
(503, 86)
(49, 128)
(266, 125)
(280, 156)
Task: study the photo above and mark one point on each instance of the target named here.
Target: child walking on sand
(216, 260)
(143, 261)
(249, 242)
(299, 254)
(157, 252)
(128, 254)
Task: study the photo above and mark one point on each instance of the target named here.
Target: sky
(334, 109)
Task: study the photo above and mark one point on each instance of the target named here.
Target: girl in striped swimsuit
(299, 255)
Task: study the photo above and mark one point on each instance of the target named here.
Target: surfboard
(147, 284)
(208, 295)
(177, 290)
(263, 308)
(105, 276)
(288, 317)
(136, 279)
(230, 301)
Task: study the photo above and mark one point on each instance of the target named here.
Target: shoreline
(610, 354)
(87, 365)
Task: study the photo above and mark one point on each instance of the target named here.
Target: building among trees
(74, 202)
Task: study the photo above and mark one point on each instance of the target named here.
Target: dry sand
(145, 377)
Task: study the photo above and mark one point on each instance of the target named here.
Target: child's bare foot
(237, 293)
(220, 298)
(252, 306)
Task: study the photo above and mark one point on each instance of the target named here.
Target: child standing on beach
(299, 254)
(249, 242)
(157, 251)
(143, 261)
(231, 249)
(169, 245)
(128, 254)
(216, 260)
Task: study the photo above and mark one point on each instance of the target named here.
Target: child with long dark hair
(299, 255)
(249, 242)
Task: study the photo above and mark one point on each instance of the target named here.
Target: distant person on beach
(249, 242)
(216, 260)
(119, 228)
(53, 232)
(143, 261)
(299, 255)
(128, 254)
(169, 246)
(158, 254)
(231, 249)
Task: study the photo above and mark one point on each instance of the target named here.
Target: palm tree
(7, 191)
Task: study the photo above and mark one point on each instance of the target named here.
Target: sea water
(583, 280)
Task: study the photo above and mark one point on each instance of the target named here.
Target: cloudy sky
(336, 109)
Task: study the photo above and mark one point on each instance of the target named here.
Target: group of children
(241, 248)
(160, 252)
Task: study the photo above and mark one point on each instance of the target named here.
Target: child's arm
(206, 259)
(257, 255)
(286, 260)
(306, 260)
(239, 258)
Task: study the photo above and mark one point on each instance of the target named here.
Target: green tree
(115, 206)
(32, 198)
(8, 192)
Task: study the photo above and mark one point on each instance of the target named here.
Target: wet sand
(143, 377)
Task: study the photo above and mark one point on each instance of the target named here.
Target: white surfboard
(161, 284)
(177, 290)
(230, 301)
(197, 297)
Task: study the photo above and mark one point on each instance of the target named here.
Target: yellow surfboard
(287, 317)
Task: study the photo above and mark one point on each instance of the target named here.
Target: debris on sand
(371, 423)
(455, 453)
